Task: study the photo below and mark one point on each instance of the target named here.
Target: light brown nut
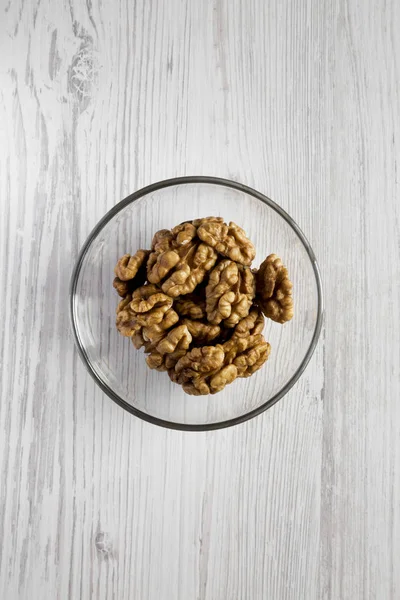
(225, 376)
(137, 338)
(229, 240)
(202, 333)
(178, 338)
(191, 306)
(250, 325)
(202, 389)
(179, 261)
(162, 240)
(149, 304)
(168, 249)
(146, 315)
(156, 361)
(190, 270)
(152, 335)
(229, 293)
(248, 354)
(129, 267)
(274, 289)
(201, 221)
(164, 362)
(160, 264)
(124, 303)
(126, 323)
(201, 385)
(253, 358)
(125, 318)
(184, 233)
(123, 288)
(202, 371)
(233, 347)
(155, 332)
(200, 361)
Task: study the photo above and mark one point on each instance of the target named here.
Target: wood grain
(300, 100)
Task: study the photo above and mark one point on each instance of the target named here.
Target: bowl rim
(193, 179)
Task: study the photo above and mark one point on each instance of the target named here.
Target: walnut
(164, 362)
(274, 289)
(248, 353)
(209, 369)
(203, 371)
(191, 269)
(160, 263)
(124, 303)
(150, 336)
(122, 287)
(149, 304)
(137, 337)
(202, 385)
(146, 315)
(170, 349)
(198, 222)
(202, 332)
(155, 332)
(191, 306)
(125, 322)
(162, 240)
(166, 253)
(229, 240)
(130, 268)
(179, 261)
(167, 249)
(197, 369)
(199, 320)
(178, 338)
(200, 361)
(250, 325)
(230, 292)
(184, 233)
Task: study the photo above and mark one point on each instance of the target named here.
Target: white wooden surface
(300, 99)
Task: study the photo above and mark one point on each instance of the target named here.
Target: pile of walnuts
(197, 308)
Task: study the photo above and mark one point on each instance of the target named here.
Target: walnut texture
(190, 270)
(250, 325)
(207, 370)
(274, 289)
(228, 240)
(248, 354)
(170, 349)
(130, 267)
(179, 261)
(199, 371)
(229, 293)
(202, 332)
(195, 306)
(191, 306)
(145, 315)
(122, 287)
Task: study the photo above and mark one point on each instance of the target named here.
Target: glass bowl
(121, 371)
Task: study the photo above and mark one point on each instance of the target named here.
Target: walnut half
(229, 293)
(207, 370)
(248, 354)
(229, 240)
(274, 289)
(130, 272)
(202, 371)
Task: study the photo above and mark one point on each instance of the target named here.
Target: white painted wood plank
(300, 100)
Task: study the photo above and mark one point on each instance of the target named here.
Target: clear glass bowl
(121, 371)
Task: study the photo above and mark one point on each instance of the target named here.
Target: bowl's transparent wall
(123, 368)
